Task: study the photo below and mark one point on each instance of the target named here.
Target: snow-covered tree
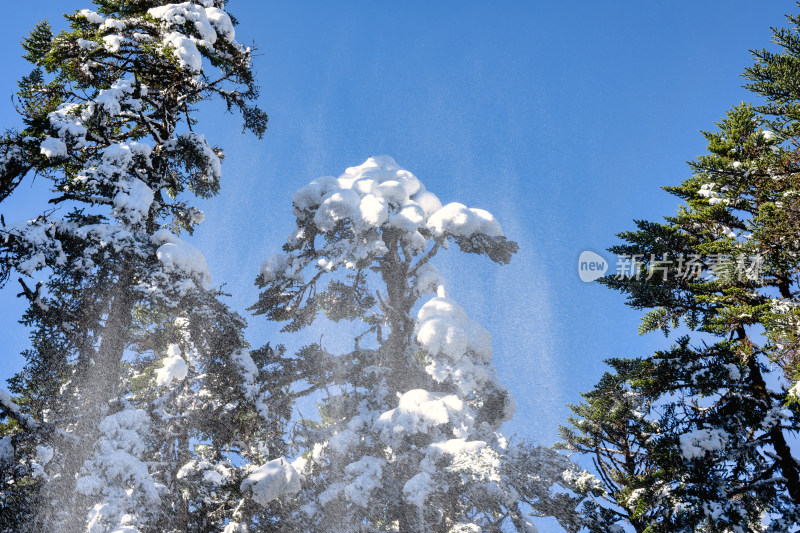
(408, 434)
(139, 408)
(714, 419)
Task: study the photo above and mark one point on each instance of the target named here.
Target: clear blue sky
(562, 118)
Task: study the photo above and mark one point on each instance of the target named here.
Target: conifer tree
(714, 428)
(139, 408)
(608, 426)
(407, 437)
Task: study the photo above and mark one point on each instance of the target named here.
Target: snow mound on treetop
(209, 24)
(174, 367)
(697, 443)
(53, 148)
(272, 480)
(458, 348)
(380, 194)
(369, 202)
(443, 328)
(180, 257)
(133, 200)
(419, 411)
(458, 219)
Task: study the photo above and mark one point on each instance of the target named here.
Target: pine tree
(407, 437)
(609, 427)
(139, 407)
(716, 429)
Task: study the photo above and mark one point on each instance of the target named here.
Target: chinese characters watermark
(685, 267)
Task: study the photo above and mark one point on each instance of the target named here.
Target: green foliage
(690, 439)
(38, 43)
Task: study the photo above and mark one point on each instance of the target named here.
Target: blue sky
(561, 118)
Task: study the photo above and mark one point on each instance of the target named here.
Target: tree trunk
(102, 377)
(786, 462)
(788, 465)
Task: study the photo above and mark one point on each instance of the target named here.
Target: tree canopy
(699, 437)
